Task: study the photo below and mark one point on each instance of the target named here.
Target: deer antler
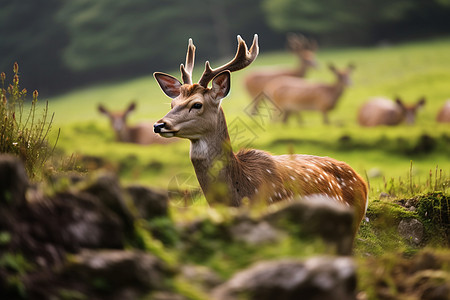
(298, 42)
(242, 59)
(186, 72)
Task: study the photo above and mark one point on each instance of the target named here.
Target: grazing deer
(382, 111)
(141, 133)
(292, 94)
(302, 47)
(196, 114)
(444, 113)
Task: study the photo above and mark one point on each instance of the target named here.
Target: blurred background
(61, 45)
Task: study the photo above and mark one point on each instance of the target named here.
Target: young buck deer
(302, 47)
(141, 133)
(381, 111)
(196, 114)
(293, 95)
(444, 113)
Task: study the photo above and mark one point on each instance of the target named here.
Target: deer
(303, 48)
(443, 115)
(380, 111)
(141, 133)
(293, 95)
(249, 175)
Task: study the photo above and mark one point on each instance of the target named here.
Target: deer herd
(250, 175)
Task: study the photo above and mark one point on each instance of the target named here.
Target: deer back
(302, 47)
(299, 94)
(444, 113)
(382, 111)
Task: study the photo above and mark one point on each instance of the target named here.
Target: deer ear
(332, 67)
(169, 84)
(399, 102)
(102, 109)
(130, 108)
(221, 85)
(421, 102)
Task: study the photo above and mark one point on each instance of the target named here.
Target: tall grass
(24, 131)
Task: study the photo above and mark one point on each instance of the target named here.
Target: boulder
(13, 181)
(331, 278)
(106, 187)
(118, 268)
(149, 203)
(411, 230)
(318, 216)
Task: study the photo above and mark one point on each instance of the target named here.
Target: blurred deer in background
(444, 113)
(293, 95)
(303, 48)
(141, 133)
(196, 114)
(382, 111)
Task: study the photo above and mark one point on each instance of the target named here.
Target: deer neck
(211, 156)
(123, 134)
(301, 69)
(337, 90)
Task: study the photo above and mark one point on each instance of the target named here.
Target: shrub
(23, 131)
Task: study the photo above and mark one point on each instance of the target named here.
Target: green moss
(65, 294)
(144, 240)
(433, 211)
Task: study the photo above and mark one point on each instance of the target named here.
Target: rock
(118, 269)
(13, 181)
(201, 275)
(374, 173)
(315, 278)
(320, 217)
(149, 203)
(384, 195)
(103, 274)
(67, 222)
(411, 230)
(254, 232)
(107, 189)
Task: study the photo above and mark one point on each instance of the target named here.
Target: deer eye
(197, 106)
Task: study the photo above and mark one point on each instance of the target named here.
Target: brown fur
(256, 82)
(444, 113)
(292, 94)
(382, 111)
(141, 133)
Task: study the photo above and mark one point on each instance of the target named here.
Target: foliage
(31, 36)
(343, 21)
(24, 134)
(64, 44)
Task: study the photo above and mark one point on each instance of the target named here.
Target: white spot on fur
(268, 171)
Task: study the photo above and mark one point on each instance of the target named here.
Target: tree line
(61, 44)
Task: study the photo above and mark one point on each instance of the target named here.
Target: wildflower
(35, 94)
(3, 76)
(16, 79)
(16, 68)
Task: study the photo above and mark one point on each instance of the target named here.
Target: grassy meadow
(382, 154)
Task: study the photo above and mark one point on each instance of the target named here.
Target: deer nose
(158, 126)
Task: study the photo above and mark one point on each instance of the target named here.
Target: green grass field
(408, 70)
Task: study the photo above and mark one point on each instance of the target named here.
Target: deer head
(409, 111)
(118, 119)
(195, 107)
(305, 49)
(343, 76)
